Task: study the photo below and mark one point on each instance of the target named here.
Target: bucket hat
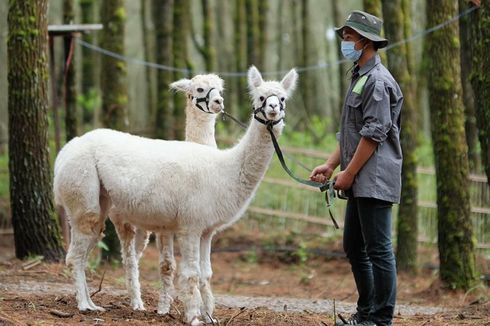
(366, 25)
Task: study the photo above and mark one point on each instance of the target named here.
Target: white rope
(278, 72)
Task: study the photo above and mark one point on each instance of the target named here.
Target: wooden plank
(73, 28)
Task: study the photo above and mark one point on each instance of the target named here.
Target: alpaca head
(269, 97)
(204, 91)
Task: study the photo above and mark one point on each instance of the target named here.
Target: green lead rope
(326, 187)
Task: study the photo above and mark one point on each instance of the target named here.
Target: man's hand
(344, 180)
(321, 173)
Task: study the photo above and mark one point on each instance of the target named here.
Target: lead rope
(326, 187)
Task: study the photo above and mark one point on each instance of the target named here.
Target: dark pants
(367, 243)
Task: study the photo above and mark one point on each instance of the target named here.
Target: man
(370, 158)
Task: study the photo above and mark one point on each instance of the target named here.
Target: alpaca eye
(200, 90)
(261, 98)
(282, 99)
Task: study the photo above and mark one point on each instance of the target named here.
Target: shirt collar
(373, 62)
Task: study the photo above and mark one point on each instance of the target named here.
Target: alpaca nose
(273, 105)
(218, 101)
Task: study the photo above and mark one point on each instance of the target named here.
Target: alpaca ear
(254, 78)
(289, 81)
(183, 85)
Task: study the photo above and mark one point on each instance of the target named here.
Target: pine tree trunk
(339, 21)
(88, 81)
(114, 90)
(455, 236)
(372, 7)
(263, 14)
(240, 53)
(70, 75)
(113, 72)
(36, 230)
(307, 84)
(209, 51)
(468, 95)
(148, 46)
(164, 122)
(181, 30)
(252, 33)
(396, 15)
(481, 79)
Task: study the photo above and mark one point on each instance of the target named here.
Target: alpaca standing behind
(187, 188)
(204, 102)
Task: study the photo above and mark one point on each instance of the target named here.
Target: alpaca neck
(199, 126)
(254, 152)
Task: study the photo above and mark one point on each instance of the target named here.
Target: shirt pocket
(354, 105)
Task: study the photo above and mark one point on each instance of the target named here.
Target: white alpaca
(204, 102)
(186, 188)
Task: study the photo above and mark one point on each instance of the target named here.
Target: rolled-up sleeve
(376, 113)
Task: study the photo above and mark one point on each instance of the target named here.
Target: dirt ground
(254, 287)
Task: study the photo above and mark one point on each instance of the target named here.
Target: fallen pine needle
(242, 310)
(100, 285)
(61, 314)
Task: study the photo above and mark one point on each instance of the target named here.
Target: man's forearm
(363, 152)
(334, 159)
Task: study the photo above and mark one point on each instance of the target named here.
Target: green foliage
(88, 103)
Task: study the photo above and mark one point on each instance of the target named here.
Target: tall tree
(455, 236)
(36, 230)
(263, 11)
(252, 17)
(88, 81)
(113, 71)
(147, 29)
(339, 20)
(469, 97)
(396, 15)
(373, 7)
(180, 36)
(240, 49)
(70, 74)
(162, 11)
(114, 89)
(481, 79)
(207, 49)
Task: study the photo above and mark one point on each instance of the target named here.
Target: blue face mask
(349, 51)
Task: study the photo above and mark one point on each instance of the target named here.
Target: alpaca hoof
(89, 307)
(195, 321)
(138, 306)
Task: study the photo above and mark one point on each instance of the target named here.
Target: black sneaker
(355, 319)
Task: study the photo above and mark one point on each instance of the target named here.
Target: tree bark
(113, 71)
(88, 82)
(71, 120)
(209, 52)
(114, 90)
(164, 121)
(373, 7)
(455, 236)
(240, 54)
(181, 30)
(343, 85)
(36, 230)
(148, 49)
(263, 12)
(481, 79)
(468, 96)
(252, 26)
(396, 15)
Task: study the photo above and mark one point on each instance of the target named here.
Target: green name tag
(360, 85)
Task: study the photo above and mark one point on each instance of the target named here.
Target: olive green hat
(365, 24)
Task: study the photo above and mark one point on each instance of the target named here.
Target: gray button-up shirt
(372, 110)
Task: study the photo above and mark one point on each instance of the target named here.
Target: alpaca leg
(84, 236)
(141, 241)
(165, 244)
(126, 235)
(207, 307)
(189, 276)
